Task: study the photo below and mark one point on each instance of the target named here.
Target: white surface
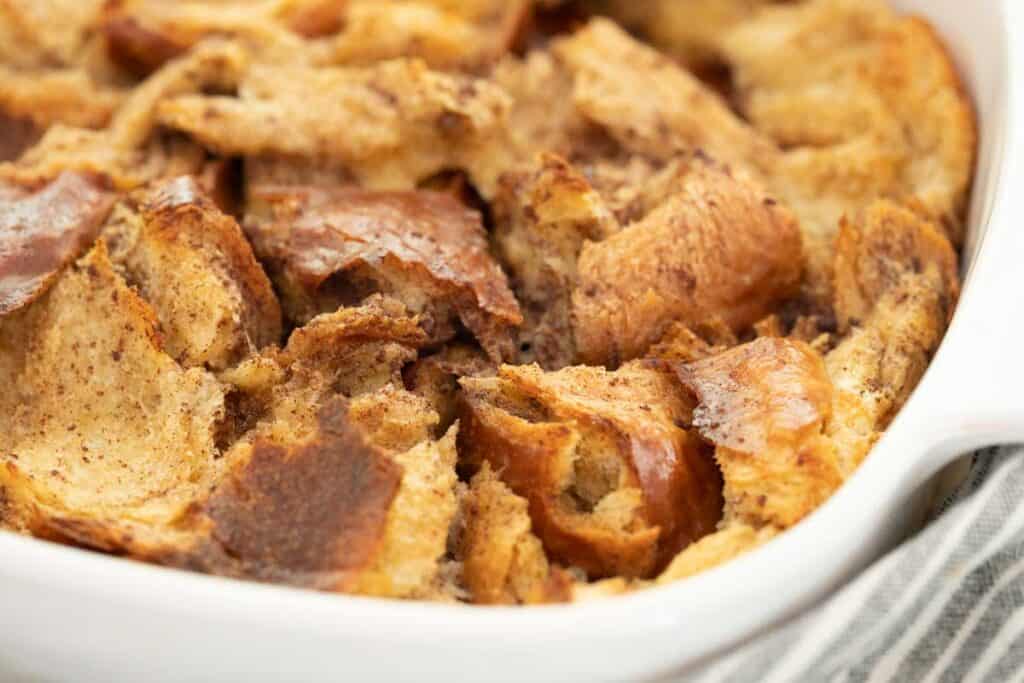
(69, 614)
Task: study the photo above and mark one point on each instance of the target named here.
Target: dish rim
(33, 562)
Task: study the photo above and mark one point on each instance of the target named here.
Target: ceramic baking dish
(70, 614)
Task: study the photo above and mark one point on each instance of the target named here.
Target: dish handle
(975, 395)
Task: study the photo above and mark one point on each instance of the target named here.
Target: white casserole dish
(71, 614)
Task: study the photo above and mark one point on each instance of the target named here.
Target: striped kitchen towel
(947, 605)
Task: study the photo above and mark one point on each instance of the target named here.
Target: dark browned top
(42, 231)
(319, 232)
(291, 513)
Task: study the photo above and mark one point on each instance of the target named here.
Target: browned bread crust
(331, 248)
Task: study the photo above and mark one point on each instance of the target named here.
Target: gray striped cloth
(944, 606)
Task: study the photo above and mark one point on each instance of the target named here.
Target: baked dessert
(476, 301)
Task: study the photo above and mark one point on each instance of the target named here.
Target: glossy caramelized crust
(681, 262)
(193, 265)
(814, 430)
(615, 485)
(43, 230)
(765, 405)
(330, 248)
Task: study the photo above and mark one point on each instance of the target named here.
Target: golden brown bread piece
(650, 105)
(193, 265)
(359, 353)
(130, 150)
(681, 261)
(99, 422)
(391, 125)
(597, 98)
(896, 286)
(542, 220)
(616, 486)
(503, 562)
(765, 405)
(312, 514)
(328, 248)
(870, 105)
(332, 479)
(599, 293)
(43, 230)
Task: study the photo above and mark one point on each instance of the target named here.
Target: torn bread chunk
(332, 481)
(868, 105)
(649, 104)
(355, 353)
(416, 534)
(312, 513)
(100, 424)
(503, 562)
(332, 248)
(616, 485)
(599, 293)
(130, 150)
(542, 220)
(193, 265)
(42, 230)
(680, 263)
(896, 286)
(392, 124)
(765, 406)
(358, 354)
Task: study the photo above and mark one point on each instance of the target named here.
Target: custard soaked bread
(484, 302)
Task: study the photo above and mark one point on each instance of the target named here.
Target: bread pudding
(463, 300)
